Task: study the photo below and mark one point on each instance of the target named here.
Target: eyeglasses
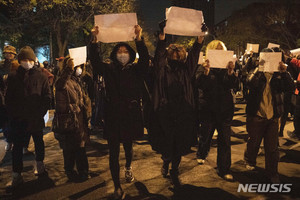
(177, 48)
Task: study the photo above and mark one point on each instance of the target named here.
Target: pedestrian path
(199, 181)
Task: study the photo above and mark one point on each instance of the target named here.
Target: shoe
(250, 167)
(128, 174)
(200, 161)
(83, 177)
(17, 180)
(39, 168)
(175, 179)
(228, 177)
(292, 135)
(119, 194)
(8, 146)
(275, 179)
(72, 175)
(25, 150)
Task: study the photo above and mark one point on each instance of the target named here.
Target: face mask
(78, 71)
(123, 58)
(27, 65)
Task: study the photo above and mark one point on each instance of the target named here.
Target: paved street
(199, 181)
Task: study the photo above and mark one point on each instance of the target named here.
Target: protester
(123, 115)
(173, 128)
(264, 108)
(215, 110)
(6, 66)
(70, 100)
(27, 98)
(296, 64)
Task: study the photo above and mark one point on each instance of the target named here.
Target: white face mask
(27, 65)
(123, 58)
(78, 71)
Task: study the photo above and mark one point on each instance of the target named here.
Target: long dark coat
(28, 98)
(123, 110)
(69, 96)
(173, 123)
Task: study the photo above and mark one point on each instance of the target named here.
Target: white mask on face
(27, 65)
(123, 58)
(78, 71)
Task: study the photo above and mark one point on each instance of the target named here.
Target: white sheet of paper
(116, 27)
(78, 54)
(201, 58)
(269, 61)
(219, 58)
(252, 47)
(295, 52)
(271, 45)
(184, 21)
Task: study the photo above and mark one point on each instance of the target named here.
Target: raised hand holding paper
(269, 61)
(116, 27)
(252, 47)
(219, 58)
(271, 45)
(295, 52)
(184, 21)
(78, 55)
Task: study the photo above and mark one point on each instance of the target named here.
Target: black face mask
(175, 63)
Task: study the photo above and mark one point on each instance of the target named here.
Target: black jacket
(173, 121)
(124, 87)
(214, 94)
(28, 97)
(280, 83)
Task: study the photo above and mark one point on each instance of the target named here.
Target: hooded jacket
(123, 84)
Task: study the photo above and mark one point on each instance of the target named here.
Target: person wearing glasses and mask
(173, 126)
(124, 87)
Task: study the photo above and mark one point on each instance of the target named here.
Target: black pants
(114, 152)
(297, 116)
(174, 159)
(76, 156)
(259, 128)
(224, 150)
(19, 135)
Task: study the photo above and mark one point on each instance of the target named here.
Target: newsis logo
(265, 188)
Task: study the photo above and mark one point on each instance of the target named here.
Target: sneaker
(25, 150)
(119, 194)
(250, 167)
(200, 161)
(228, 177)
(17, 180)
(39, 168)
(128, 174)
(8, 146)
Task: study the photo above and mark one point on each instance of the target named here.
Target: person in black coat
(215, 109)
(123, 121)
(172, 128)
(27, 99)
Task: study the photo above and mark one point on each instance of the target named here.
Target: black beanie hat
(26, 53)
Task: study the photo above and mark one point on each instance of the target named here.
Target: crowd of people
(180, 102)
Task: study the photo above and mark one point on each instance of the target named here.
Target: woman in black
(124, 87)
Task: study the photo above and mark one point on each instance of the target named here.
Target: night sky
(153, 11)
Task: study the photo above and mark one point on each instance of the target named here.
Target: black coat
(214, 94)
(280, 83)
(124, 87)
(28, 97)
(173, 123)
